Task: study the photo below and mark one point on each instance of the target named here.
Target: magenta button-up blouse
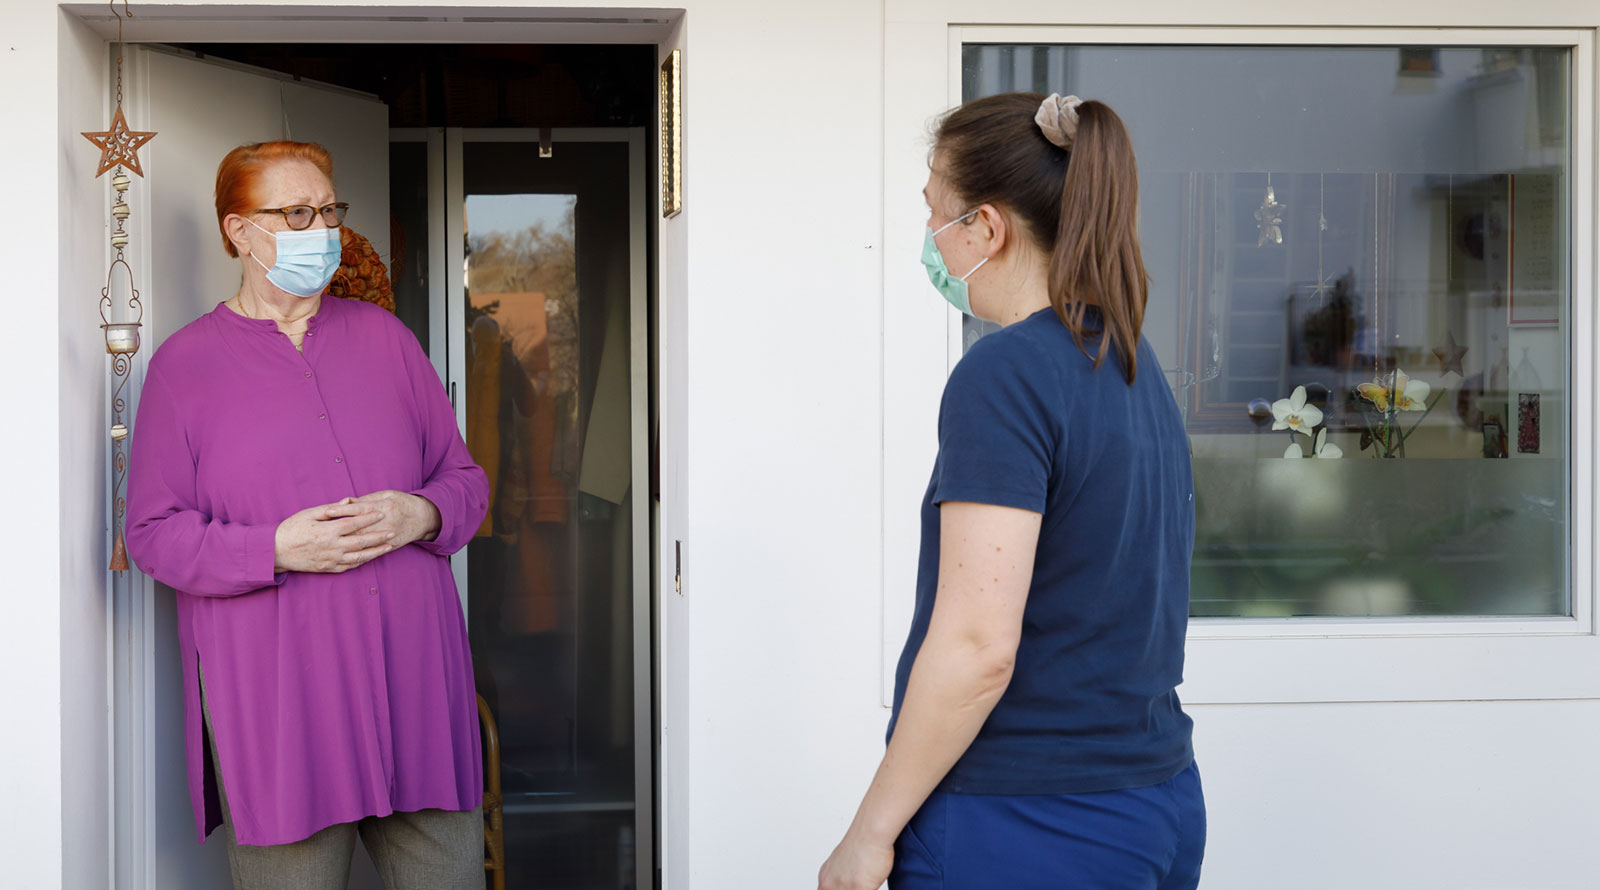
(333, 696)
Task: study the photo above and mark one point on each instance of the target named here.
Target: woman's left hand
(411, 517)
(856, 864)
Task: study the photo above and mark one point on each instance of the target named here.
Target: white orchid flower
(1321, 447)
(1294, 414)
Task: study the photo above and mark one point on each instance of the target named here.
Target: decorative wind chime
(119, 147)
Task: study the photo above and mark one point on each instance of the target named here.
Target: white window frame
(1248, 660)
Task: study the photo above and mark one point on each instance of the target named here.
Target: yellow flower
(1376, 393)
(1409, 394)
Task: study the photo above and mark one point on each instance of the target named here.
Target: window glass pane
(550, 572)
(408, 235)
(1381, 231)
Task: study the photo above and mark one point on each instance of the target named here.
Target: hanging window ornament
(1269, 218)
(119, 148)
(1450, 354)
(1325, 284)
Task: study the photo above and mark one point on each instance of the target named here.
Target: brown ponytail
(1081, 207)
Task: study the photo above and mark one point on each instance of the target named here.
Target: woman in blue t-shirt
(1037, 740)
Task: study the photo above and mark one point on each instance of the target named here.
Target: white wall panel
(84, 422)
(673, 637)
(1405, 796)
(784, 437)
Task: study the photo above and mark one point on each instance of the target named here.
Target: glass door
(547, 362)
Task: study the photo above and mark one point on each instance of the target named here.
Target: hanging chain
(128, 13)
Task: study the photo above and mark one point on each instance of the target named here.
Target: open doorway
(515, 231)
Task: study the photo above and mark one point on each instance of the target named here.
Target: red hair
(239, 176)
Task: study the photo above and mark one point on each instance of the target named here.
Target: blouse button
(308, 373)
(338, 460)
(372, 590)
(322, 417)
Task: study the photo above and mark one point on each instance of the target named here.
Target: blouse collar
(267, 325)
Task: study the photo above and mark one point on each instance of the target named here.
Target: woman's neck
(288, 310)
(292, 314)
(1029, 290)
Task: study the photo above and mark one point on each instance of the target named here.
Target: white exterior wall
(773, 290)
(83, 397)
(1401, 796)
(784, 433)
(52, 635)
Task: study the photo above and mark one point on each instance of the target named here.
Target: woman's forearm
(961, 671)
(954, 685)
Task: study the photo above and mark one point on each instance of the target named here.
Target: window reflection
(1363, 264)
(550, 572)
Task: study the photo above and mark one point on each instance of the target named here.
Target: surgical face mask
(952, 288)
(306, 260)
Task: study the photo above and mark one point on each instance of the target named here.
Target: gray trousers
(425, 850)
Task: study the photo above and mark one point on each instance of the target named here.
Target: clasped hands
(338, 537)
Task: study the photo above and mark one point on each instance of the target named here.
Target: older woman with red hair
(298, 478)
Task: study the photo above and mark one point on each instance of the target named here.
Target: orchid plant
(1388, 398)
(1299, 416)
(1383, 401)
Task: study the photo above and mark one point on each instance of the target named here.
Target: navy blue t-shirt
(1026, 421)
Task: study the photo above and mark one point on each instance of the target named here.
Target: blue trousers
(1149, 838)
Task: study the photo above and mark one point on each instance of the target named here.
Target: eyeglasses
(300, 215)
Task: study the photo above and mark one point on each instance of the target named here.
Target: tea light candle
(122, 339)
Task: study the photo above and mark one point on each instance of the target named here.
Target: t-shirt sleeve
(996, 441)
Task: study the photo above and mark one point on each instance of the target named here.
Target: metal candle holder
(122, 343)
(119, 148)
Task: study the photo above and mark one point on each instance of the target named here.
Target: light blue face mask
(306, 260)
(952, 288)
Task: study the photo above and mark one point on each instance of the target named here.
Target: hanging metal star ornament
(119, 145)
(1269, 218)
(1449, 355)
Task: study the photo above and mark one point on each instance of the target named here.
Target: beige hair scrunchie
(1058, 118)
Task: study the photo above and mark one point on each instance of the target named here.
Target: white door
(201, 110)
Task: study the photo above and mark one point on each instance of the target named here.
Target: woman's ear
(235, 225)
(993, 230)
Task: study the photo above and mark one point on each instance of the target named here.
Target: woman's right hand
(331, 538)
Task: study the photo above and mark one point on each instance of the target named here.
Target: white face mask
(306, 260)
